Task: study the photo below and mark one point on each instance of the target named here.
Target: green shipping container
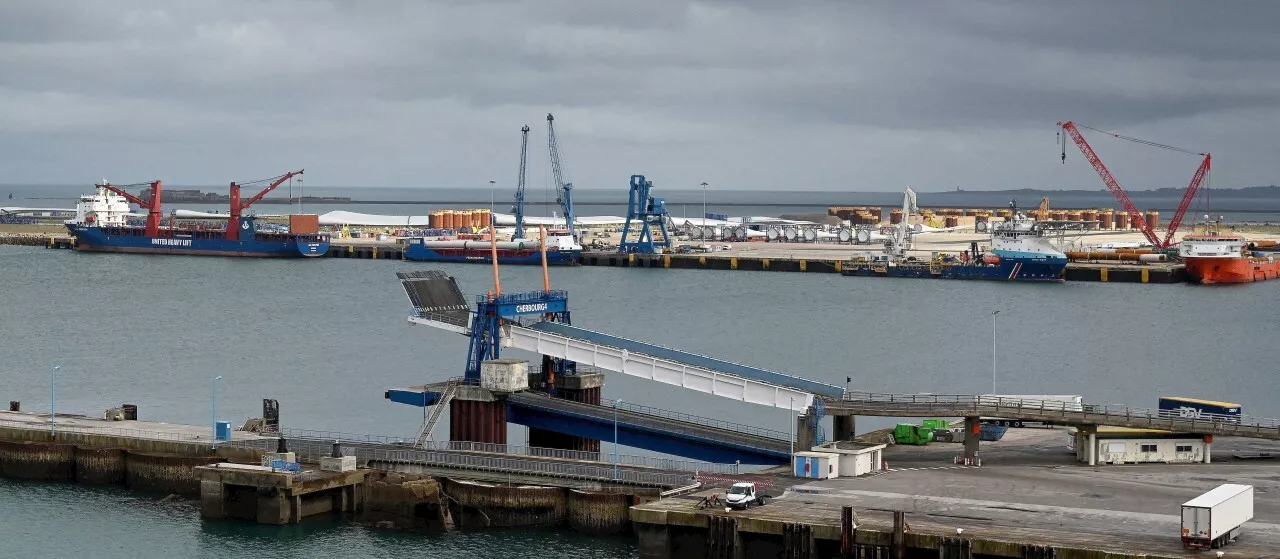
(935, 424)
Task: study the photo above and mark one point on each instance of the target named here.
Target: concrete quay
(1030, 499)
(463, 490)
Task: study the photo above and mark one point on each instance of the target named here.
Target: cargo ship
(102, 225)
(562, 250)
(1020, 251)
(1214, 259)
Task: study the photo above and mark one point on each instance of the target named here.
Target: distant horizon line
(710, 188)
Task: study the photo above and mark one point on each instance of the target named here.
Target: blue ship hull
(420, 253)
(131, 240)
(1043, 269)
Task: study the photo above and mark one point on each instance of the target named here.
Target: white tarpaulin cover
(353, 218)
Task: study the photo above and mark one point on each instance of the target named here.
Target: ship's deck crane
(1072, 129)
(518, 209)
(898, 245)
(237, 207)
(154, 213)
(564, 193)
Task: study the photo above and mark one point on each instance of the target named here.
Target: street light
(704, 203)
(993, 351)
(213, 412)
(53, 401)
(792, 417)
(615, 438)
(491, 183)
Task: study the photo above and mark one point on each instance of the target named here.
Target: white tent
(354, 218)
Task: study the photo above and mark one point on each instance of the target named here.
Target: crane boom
(564, 194)
(1113, 185)
(153, 205)
(237, 207)
(1187, 197)
(519, 207)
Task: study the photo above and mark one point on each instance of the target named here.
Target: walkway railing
(351, 440)
(995, 406)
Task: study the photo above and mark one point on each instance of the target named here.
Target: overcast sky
(746, 94)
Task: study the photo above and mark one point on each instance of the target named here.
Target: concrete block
(343, 464)
(504, 375)
(287, 457)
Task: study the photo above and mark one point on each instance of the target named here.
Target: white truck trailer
(1214, 519)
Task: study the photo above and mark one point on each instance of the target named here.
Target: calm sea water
(326, 337)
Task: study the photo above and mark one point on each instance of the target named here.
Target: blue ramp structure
(662, 431)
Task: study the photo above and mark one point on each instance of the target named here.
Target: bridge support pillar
(804, 433)
(476, 416)
(579, 387)
(1208, 446)
(972, 432)
(842, 427)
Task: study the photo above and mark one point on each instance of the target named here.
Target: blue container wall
(223, 431)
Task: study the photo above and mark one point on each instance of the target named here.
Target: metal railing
(678, 416)
(995, 406)
(325, 439)
(456, 318)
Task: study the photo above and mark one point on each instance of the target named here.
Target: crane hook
(1062, 141)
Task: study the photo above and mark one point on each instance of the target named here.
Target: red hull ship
(1225, 259)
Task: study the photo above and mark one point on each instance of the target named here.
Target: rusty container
(304, 224)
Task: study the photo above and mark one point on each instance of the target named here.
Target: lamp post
(491, 183)
(213, 412)
(704, 203)
(615, 438)
(994, 315)
(53, 401)
(792, 416)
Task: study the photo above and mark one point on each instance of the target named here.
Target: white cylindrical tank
(742, 232)
(772, 233)
(864, 236)
(789, 233)
(845, 236)
(810, 235)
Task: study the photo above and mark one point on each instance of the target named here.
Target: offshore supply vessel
(562, 250)
(102, 225)
(1020, 251)
(1212, 258)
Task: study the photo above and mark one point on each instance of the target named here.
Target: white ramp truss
(654, 368)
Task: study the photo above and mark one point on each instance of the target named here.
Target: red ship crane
(233, 221)
(1072, 129)
(152, 205)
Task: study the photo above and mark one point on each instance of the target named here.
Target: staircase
(437, 411)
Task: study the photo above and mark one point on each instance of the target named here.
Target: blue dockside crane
(646, 218)
(564, 190)
(518, 209)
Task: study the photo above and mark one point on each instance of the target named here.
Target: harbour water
(325, 337)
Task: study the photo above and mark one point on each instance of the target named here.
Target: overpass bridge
(1061, 413)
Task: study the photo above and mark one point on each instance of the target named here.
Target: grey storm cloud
(750, 94)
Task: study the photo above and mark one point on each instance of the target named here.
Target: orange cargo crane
(1135, 217)
(153, 204)
(233, 222)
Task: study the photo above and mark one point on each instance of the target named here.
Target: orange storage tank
(486, 218)
(433, 220)
(895, 217)
(952, 221)
(1089, 215)
(1122, 220)
(1107, 220)
(1153, 219)
(450, 219)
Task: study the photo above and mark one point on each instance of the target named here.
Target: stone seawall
(153, 472)
(482, 505)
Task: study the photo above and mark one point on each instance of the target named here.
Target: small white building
(1122, 445)
(815, 465)
(855, 459)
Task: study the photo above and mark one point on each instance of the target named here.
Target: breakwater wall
(142, 471)
(475, 505)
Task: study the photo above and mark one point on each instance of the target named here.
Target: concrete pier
(268, 496)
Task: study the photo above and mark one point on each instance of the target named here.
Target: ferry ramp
(1062, 413)
(651, 429)
(666, 365)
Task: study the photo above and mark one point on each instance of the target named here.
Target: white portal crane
(898, 245)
